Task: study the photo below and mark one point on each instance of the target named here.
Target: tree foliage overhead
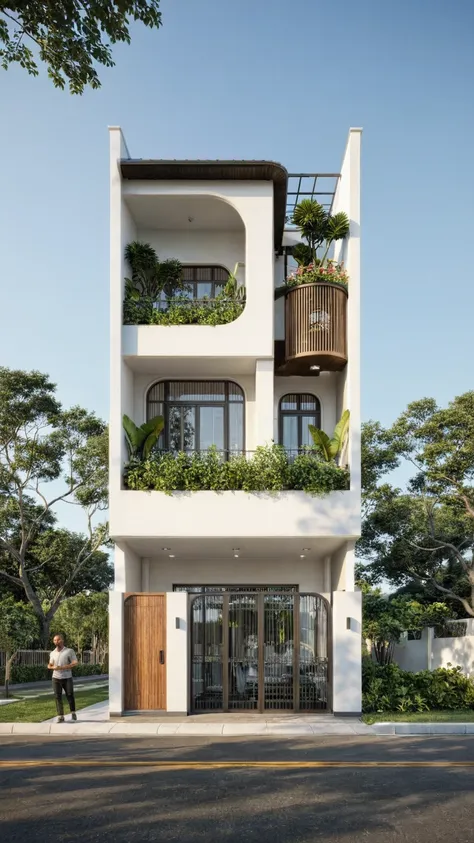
(423, 532)
(47, 456)
(70, 36)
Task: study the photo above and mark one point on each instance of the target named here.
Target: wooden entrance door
(145, 652)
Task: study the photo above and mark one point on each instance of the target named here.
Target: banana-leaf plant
(141, 440)
(331, 448)
(234, 290)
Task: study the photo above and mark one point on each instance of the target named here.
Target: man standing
(61, 660)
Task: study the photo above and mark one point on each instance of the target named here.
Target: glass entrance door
(266, 651)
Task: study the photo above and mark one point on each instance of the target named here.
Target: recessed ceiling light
(236, 555)
(302, 556)
(315, 368)
(171, 555)
(166, 548)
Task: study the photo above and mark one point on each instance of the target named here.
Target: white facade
(228, 538)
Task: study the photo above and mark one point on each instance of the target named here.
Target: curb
(423, 729)
(125, 729)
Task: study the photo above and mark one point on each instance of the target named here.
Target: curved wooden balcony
(315, 329)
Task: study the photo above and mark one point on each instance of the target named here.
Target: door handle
(162, 656)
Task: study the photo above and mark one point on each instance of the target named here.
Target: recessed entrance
(244, 656)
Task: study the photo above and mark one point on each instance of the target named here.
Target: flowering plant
(320, 229)
(333, 272)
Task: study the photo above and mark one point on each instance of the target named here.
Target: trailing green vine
(268, 470)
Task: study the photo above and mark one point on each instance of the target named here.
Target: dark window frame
(214, 282)
(167, 402)
(299, 413)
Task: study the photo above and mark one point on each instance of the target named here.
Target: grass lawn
(42, 708)
(466, 716)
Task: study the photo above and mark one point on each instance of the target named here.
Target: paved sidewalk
(94, 720)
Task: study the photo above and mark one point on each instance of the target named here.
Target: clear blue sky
(267, 79)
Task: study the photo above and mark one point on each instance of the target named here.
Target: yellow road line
(222, 765)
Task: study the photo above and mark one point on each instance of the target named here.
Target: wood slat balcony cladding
(315, 329)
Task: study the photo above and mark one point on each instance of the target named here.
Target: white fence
(41, 657)
(430, 652)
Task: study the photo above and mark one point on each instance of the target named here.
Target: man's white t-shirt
(60, 658)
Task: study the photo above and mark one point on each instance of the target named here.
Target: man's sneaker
(61, 719)
(73, 716)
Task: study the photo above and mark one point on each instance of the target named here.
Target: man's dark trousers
(60, 685)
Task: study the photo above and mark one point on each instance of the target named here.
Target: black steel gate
(243, 653)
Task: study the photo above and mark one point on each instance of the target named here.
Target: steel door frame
(260, 608)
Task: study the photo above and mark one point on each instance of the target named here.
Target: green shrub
(23, 673)
(389, 688)
(218, 311)
(268, 470)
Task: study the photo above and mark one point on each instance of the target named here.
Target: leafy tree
(83, 620)
(425, 532)
(385, 618)
(47, 455)
(18, 629)
(70, 36)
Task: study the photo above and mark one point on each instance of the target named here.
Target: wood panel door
(145, 652)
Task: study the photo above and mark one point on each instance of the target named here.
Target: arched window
(198, 415)
(297, 412)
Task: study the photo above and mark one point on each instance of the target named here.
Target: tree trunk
(9, 658)
(45, 624)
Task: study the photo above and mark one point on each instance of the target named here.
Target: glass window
(297, 412)
(204, 282)
(198, 415)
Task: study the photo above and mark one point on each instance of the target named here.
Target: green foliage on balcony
(268, 469)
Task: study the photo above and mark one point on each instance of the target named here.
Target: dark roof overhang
(134, 169)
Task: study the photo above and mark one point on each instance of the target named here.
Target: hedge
(21, 674)
(389, 688)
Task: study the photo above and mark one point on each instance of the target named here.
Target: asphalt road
(195, 789)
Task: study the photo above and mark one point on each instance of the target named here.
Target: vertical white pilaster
(145, 574)
(177, 670)
(264, 399)
(347, 652)
(116, 652)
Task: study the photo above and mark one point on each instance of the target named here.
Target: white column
(327, 575)
(115, 653)
(349, 565)
(347, 652)
(177, 670)
(264, 402)
(145, 574)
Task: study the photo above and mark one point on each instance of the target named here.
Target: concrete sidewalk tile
(168, 728)
(6, 728)
(447, 728)
(83, 728)
(134, 729)
(334, 731)
(362, 729)
(244, 729)
(31, 728)
(199, 729)
(290, 730)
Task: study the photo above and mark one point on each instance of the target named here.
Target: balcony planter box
(315, 328)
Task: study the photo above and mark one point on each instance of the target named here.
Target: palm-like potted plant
(320, 229)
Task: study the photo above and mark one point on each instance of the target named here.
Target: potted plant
(320, 229)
